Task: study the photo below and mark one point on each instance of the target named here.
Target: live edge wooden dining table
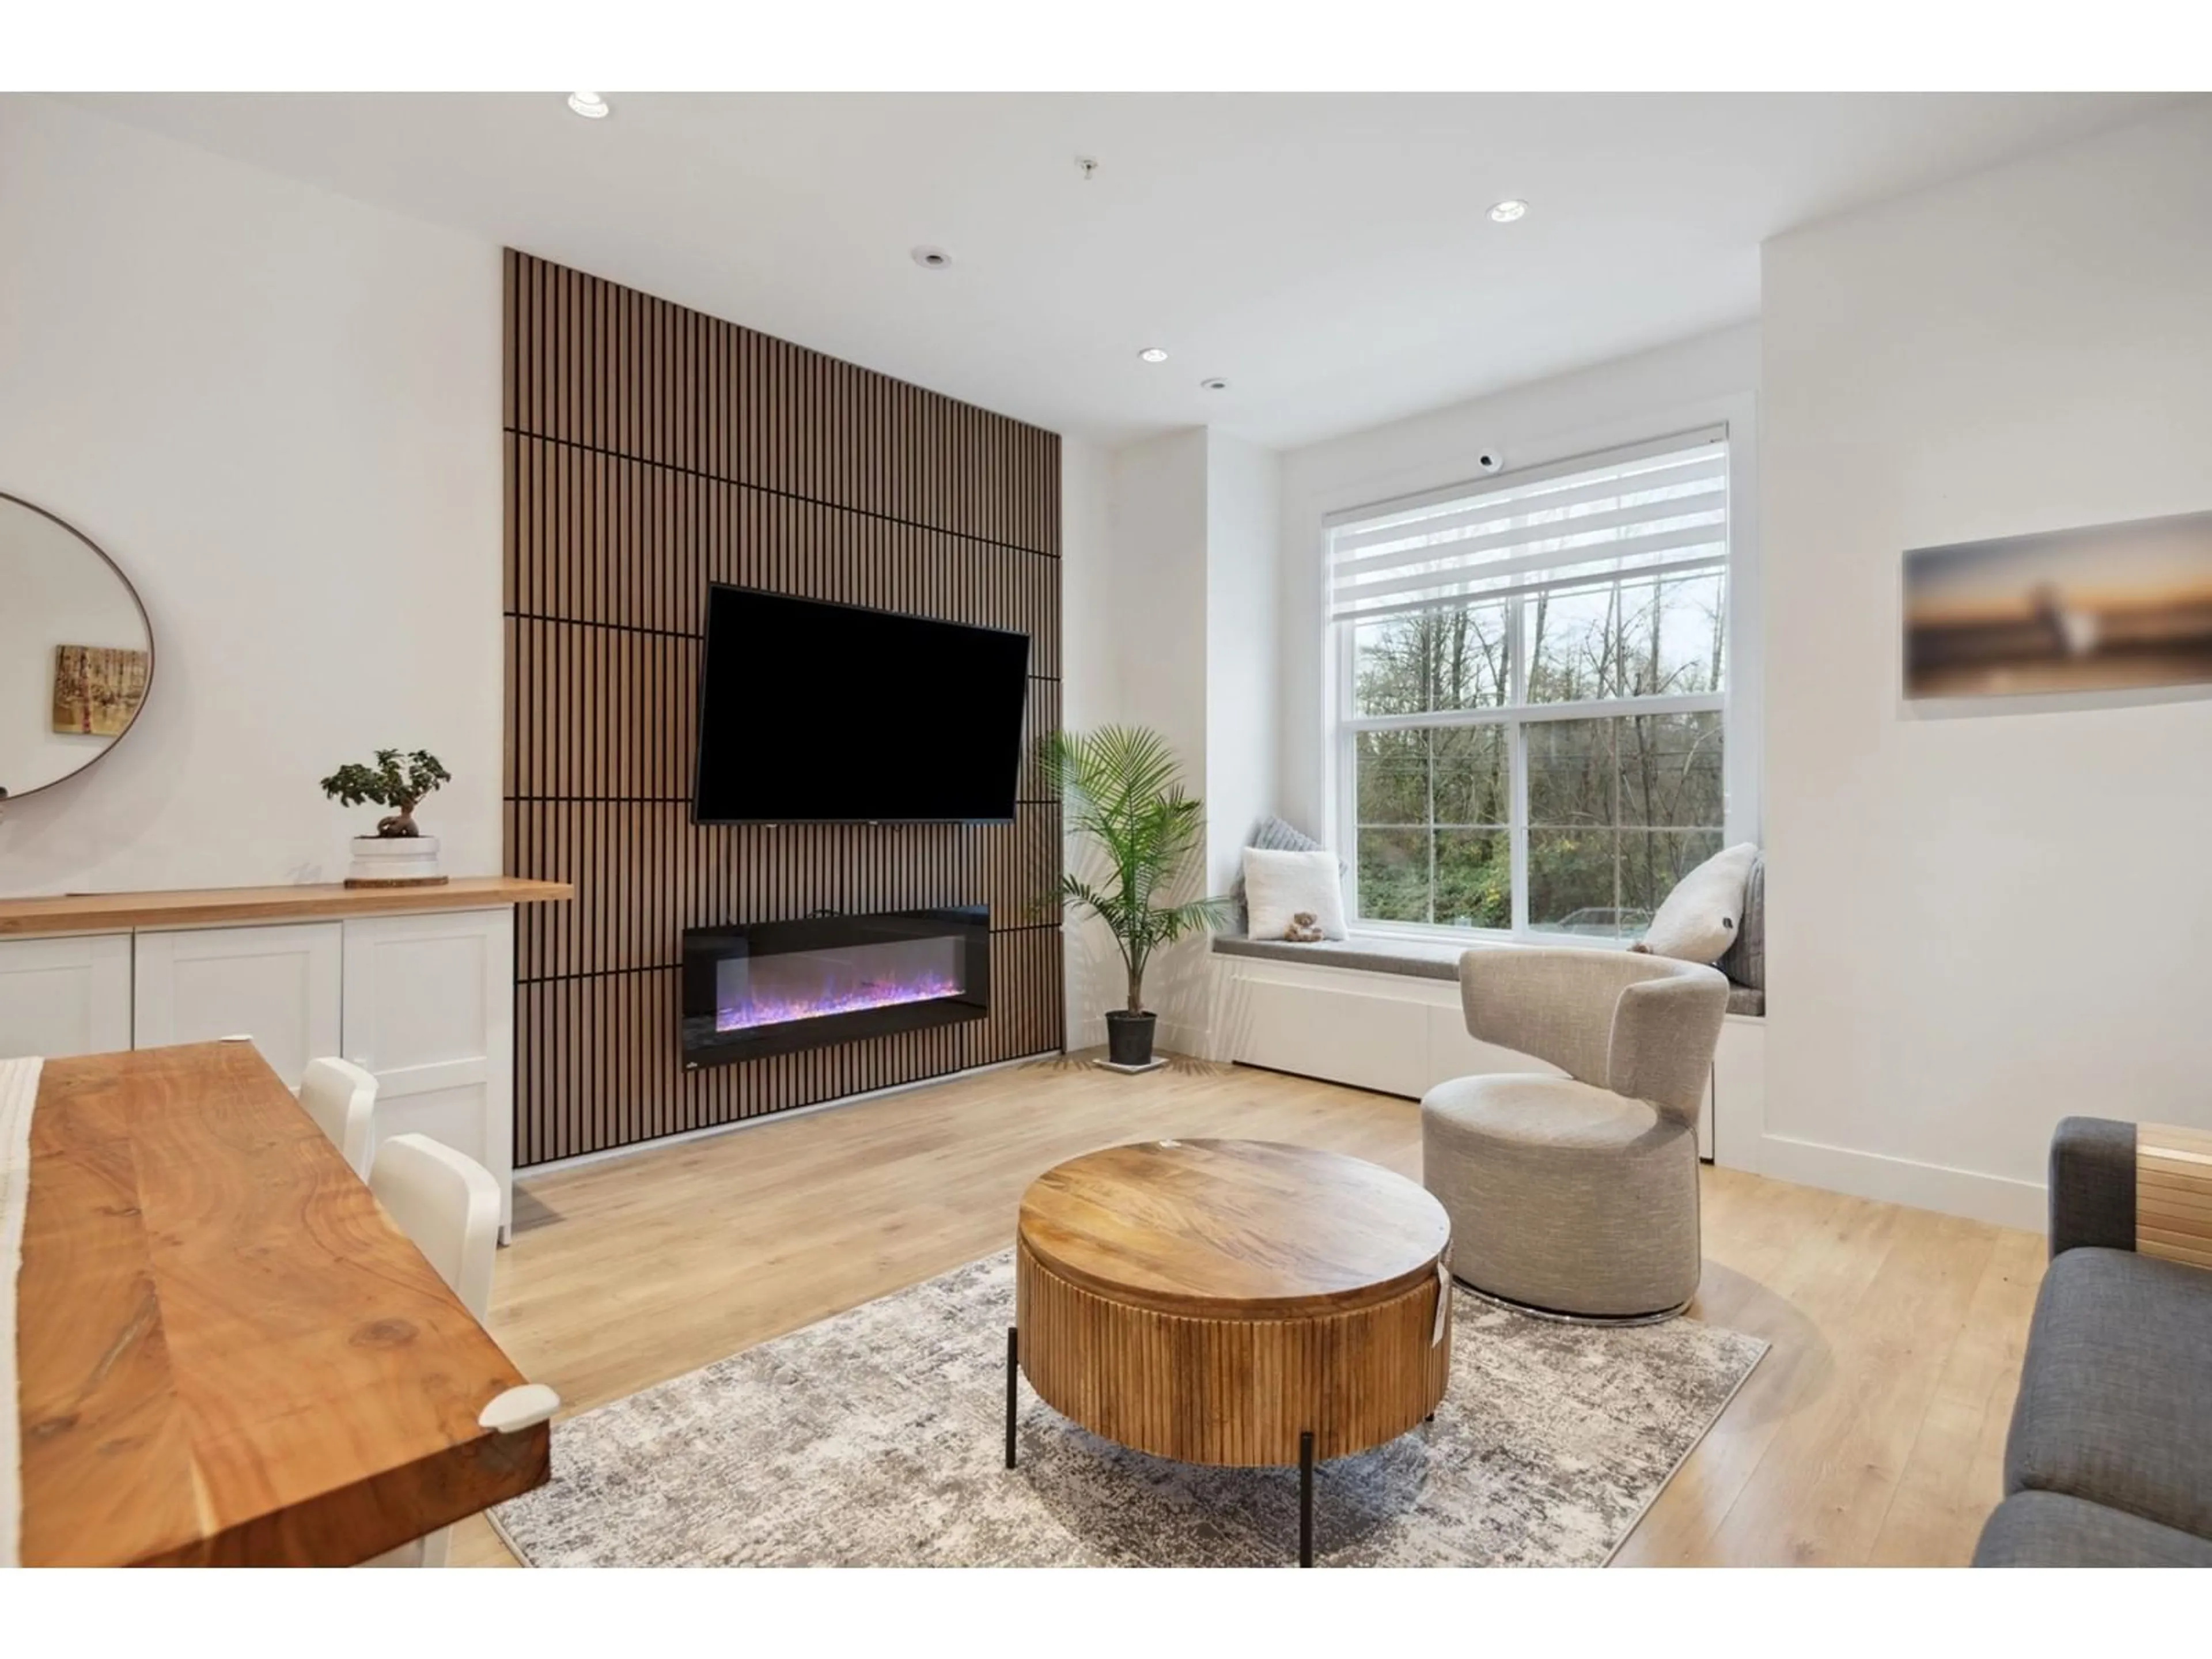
(227, 1353)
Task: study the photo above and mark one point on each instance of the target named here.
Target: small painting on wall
(2115, 607)
(97, 688)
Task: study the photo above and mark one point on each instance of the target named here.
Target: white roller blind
(1659, 508)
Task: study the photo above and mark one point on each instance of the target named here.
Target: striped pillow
(1745, 961)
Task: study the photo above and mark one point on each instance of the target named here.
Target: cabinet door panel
(277, 985)
(65, 996)
(429, 1010)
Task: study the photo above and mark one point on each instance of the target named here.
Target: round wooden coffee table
(1231, 1302)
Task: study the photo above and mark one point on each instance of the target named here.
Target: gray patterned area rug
(876, 1438)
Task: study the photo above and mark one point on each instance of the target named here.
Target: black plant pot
(1130, 1037)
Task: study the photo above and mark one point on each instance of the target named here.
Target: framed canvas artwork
(2114, 607)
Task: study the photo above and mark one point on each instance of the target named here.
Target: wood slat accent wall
(650, 450)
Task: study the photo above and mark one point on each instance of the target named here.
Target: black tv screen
(817, 712)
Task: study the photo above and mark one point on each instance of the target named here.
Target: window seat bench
(1416, 958)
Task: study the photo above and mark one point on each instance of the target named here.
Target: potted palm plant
(1122, 790)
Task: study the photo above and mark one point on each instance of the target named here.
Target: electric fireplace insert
(771, 988)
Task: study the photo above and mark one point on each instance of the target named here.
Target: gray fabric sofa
(2109, 1459)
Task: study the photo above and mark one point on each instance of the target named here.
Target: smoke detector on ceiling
(932, 259)
(1214, 383)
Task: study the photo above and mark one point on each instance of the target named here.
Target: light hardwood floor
(1871, 1433)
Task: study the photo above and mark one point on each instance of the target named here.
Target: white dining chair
(341, 1099)
(448, 1204)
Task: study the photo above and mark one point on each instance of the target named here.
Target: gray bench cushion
(2048, 1529)
(1416, 957)
(2117, 1387)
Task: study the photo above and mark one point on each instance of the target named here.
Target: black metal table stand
(1013, 1385)
(1305, 1498)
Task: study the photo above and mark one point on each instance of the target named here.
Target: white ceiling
(1330, 254)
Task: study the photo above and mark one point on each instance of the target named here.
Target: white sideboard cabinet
(415, 984)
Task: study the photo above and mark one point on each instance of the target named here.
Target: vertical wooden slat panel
(649, 450)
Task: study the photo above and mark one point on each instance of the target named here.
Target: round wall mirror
(76, 653)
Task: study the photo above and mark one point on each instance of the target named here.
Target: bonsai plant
(398, 853)
(1122, 790)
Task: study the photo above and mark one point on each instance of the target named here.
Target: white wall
(1692, 384)
(1158, 582)
(1155, 607)
(1089, 695)
(278, 411)
(1169, 606)
(1980, 924)
(1089, 651)
(1243, 635)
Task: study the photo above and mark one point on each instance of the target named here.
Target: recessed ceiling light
(1215, 384)
(1154, 354)
(589, 105)
(1507, 211)
(932, 259)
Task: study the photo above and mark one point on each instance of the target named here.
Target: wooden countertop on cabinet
(207, 906)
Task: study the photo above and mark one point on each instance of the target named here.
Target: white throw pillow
(1697, 921)
(1279, 887)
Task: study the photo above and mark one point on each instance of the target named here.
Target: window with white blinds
(1660, 508)
(1532, 691)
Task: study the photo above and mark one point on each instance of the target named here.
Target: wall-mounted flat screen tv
(812, 713)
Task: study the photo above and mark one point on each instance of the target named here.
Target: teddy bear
(1303, 929)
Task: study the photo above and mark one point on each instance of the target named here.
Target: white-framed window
(1531, 692)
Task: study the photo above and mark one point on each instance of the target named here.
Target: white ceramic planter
(394, 861)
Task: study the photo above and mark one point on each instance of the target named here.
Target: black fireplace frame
(705, 948)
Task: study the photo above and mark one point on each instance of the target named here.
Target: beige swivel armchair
(1579, 1194)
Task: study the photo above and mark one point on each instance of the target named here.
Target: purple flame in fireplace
(763, 1008)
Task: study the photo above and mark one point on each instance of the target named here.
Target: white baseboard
(1997, 1198)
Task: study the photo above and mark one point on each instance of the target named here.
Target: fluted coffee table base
(1234, 1302)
